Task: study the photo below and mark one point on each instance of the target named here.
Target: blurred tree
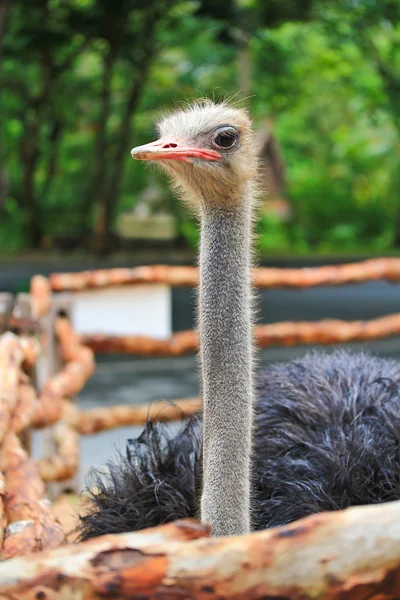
(373, 26)
(78, 74)
(4, 12)
(5, 6)
(128, 42)
(244, 19)
(37, 53)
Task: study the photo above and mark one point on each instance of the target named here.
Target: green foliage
(84, 80)
(12, 227)
(339, 138)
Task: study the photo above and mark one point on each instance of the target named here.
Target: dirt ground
(66, 510)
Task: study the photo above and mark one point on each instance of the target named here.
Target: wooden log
(286, 333)
(31, 527)
(66, 334)
(31, 349)
(48, 410)
(79, 366)
(25, 408)
(179, 343)
(327, 331)
(68, 382)
(6, 307)
(3, 517)
(348, 555)
(368, 270)
(11, 356)
(70, 345)
(174, 276)
(99, 419)
(64, 463)
(23, 324)
(13, 457)
(40, 292)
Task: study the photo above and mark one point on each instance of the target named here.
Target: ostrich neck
(226, 361)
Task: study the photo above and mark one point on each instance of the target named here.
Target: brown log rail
(285, 333)
(79, 366)
(40, 293)
(329, 331)
(100, 419)
(368, 270)
(31, 525)
(349, 555)
(353, 554)
(26, 521)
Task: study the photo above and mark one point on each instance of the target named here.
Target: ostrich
(324, 431)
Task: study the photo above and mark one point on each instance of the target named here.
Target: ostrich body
(327, 427)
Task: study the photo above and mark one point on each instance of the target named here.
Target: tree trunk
(30, 147)
(54, 145)
(397, 228)
(5, 6)
(101, 143)
(244, 66)
(29, 155)
(244, 28)
(109, 198)
(141, 59)
(4, 182)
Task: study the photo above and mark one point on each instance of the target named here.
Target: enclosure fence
(45, 363)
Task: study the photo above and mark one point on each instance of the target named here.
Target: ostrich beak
(172, 149)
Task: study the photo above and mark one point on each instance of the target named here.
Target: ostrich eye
(226, 137)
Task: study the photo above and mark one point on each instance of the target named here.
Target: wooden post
(22, 309)
(49, 364)
(6, 306)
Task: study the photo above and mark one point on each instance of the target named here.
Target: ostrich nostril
(170, 145)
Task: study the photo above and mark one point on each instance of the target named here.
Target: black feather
(153, 484)
(326, 436)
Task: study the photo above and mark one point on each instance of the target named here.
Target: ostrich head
(209, 152)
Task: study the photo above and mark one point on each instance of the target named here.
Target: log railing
(285, 333)
(368, 270)
(26, 521)
(349, 555)
(353, 554)
(329, 331)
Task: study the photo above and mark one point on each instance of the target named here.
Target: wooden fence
(353, 554)
(328, 331)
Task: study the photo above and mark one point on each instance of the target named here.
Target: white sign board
(143, 309)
